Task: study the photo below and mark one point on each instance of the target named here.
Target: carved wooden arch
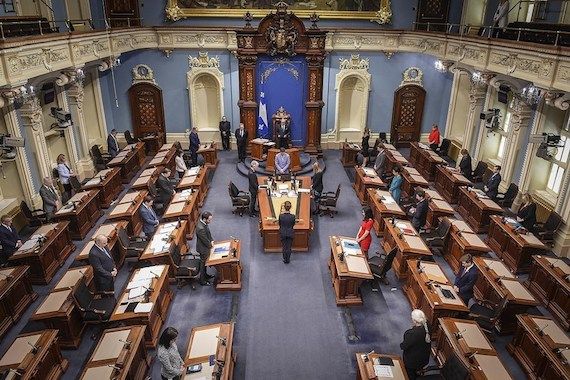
(282, 33)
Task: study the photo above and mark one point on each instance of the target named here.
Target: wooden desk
(365, 369)
(16, 295)
(383, 207)
(412, 179)
(210, 153)
(514, 248)
(130, 159)
(111, 231)
(424, 159)
(477, 210)
(258, 148)
(164, 158)
(147, 178)
(349, 268)
(153, 143)
(82, 211)
(227, 264)
(465, 339)
(409, 245)
(72, 277)
(496, 283)
(127, 208)
(437, 208)
(108, 182)
(167, 147)
(535, 346)
(364, 179)
(424, 287)
(158, 249)
(548, 281)
(42, 363)
(448, 181)
(115, 359)
(349, 151)
(197, 181)
(203, 343)
(159, 299)
(52, 247)
(269, 209)
(294, 155)
(184, 206)
(459, 241)
(394, 158)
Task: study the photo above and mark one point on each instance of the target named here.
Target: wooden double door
(432, 12)
(407, 115)
(147, 111)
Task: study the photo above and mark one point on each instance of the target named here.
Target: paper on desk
(205, 343)
(356, 264)
(401, 225)
(388, 200)
(148, 273)
(383, 370)
(137, 292)
(93, 181)
(221, 247)
(370, 172)
(303, 190)
(350, 247)
(29, 244)
(193, 171)
(283, 186)
(145, 282)
(143, 307)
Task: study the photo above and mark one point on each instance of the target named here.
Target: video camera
(63, 118)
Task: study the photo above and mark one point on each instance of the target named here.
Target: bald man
(104, 270)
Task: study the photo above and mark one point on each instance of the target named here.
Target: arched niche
(352, 93)
(205, 89)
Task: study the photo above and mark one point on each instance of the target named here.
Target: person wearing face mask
(416, 346)
(363, 236)
(225, 130)
(204, 244)
(465, 279)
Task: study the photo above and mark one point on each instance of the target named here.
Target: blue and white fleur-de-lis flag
(262, 125)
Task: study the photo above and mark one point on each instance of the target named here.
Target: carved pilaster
(32, 121)
(314, 103)
(75, 92)
(69, 133)
(520, 119)
(477, 94)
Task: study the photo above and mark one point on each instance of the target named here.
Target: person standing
(253, 186)
(465, 167)
(65, 173)
(172, 366)
(112, 143)
(526, 215)
(50, 198)
(9, 238)
(204, 244)
(241, 140)
(434, 137)
(164, 187)
(363, 237)
(365, 148)
(380, 162)
(501, 17)
(396, 183)
(286, 224)
(492, 186)
(466, 278)
(180, 163)
(317, 184)
(416, 345)
(282, 162)
(419, 212)
(104, 270)
(194, 146)
(149, 219)
(283, 134)
(225, 130)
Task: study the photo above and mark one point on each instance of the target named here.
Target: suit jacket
(149, 219)
(396, 188)
(493, 185)
(283, 132)
(102, 267)
(241, 140)
(282, 163)
(465, 166)
(194, 142)
(225, 127)
(49, 198)
(416, 350)
(465, 282)
(112, 145)
(252, 179)
(420, 214)
(379, 162)
(203, 239)
(165, 189)
(286, 223)
(8, 239)
(528, 216)
(318, 182)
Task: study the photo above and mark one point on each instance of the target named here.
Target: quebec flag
(262, 126)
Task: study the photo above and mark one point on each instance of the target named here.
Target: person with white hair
(416, 345)
(104, 269)
(252, 179)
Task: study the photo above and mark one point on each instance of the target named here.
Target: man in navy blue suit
(194, 146)
(112, 144)
(148, 216)
(286, 233)
(492, 186)
(466, 278)
(104, 270)
(419, 213)
(9, 239)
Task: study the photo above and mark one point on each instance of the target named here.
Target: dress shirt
(282, 162)
(180, 164)
(64, 173)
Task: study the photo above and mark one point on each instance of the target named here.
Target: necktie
(107, 253)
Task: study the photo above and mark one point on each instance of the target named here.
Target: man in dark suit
(286, 223)
(9, 239)
(465, 164)
(164, 187)
(112, 144)
(419, 213)
(50, 198)
(104, 270)
(317, 185)
(253, 185)
(225, 130)
(194, 146)
(204, 244)
(149, 218)
(492, 186)
(241, 140)
(466, 278)
(283, 134)
(416, 345)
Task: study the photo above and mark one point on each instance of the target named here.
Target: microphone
(472, 355)
(419, 266)
(222, 340)
(559, 351)
(541, 331)
(459, 334)
(154, 274)
(34, 348)
(114, 366)
(126, 342)
(234, 238)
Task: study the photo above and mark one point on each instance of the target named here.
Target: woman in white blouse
(180, 164)
(65, 173)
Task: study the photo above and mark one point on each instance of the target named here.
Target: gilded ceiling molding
(384, 15)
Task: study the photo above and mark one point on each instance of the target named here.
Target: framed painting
(374, 10)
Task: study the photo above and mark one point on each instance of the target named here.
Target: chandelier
(531, 94)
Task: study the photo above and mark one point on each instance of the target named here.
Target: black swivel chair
(240, 199)
(487, 315)
(75, 184)
(328, 201)
(382, 137)
(93, 308)
(436, 241)
(479, 172)
(133, 246)
(187, 268)
(545, 231)
(453, 369)
(380, 265)
(506, 199)
(129, 138)
(35, 218)
(158, 206)
(443, 149)
(100, 160)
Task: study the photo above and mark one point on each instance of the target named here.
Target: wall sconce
(442, 66)
(531, 94)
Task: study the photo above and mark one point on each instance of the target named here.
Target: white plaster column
(75, 92)
(477, 94)
(521, 114)
(32, 121)
(452, 101)
(482, 129)
(69, 133)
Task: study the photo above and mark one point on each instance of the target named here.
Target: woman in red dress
(363, 237)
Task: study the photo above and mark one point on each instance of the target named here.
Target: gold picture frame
(177, 10)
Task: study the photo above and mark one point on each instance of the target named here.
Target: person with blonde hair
(65, 173)
(416, 345)
(526, 215)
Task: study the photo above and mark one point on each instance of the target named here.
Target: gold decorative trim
(412, 75)
(143, 73)
(384, 15)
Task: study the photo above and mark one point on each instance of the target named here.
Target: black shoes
(209, 276)
(206, 283)
(286, 261)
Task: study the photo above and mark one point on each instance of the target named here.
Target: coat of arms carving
(281, 36)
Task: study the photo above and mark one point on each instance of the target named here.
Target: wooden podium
(82, 211)
(210, 153)
(184, 207)
(366, 178)
(259, 147)
(459, 241)
(294, 154)
(348, 154)
(196, 179)
(476, 209)
(365, 368)
(212, 340)
(157, 251)
(16, 295)
(383, 206)
(128, 209)
(225, 257)
(108, 182)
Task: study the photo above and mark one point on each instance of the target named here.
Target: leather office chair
(545, 231)
(158, 206)
(506, 199)
(240, 199)
(133, 246)
(75, 184)
(187, 268)
(479, 172)
(129, 138)
(436, 241)
(93, 308)
(382, 136)
(487, 314)
(35, 218)
(328, 201)
(453, 369)
(100, 160)
(443, 149)
(380, 265)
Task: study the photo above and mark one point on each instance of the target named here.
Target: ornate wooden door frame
(408, 105)
(282, 33)
(143, 124)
